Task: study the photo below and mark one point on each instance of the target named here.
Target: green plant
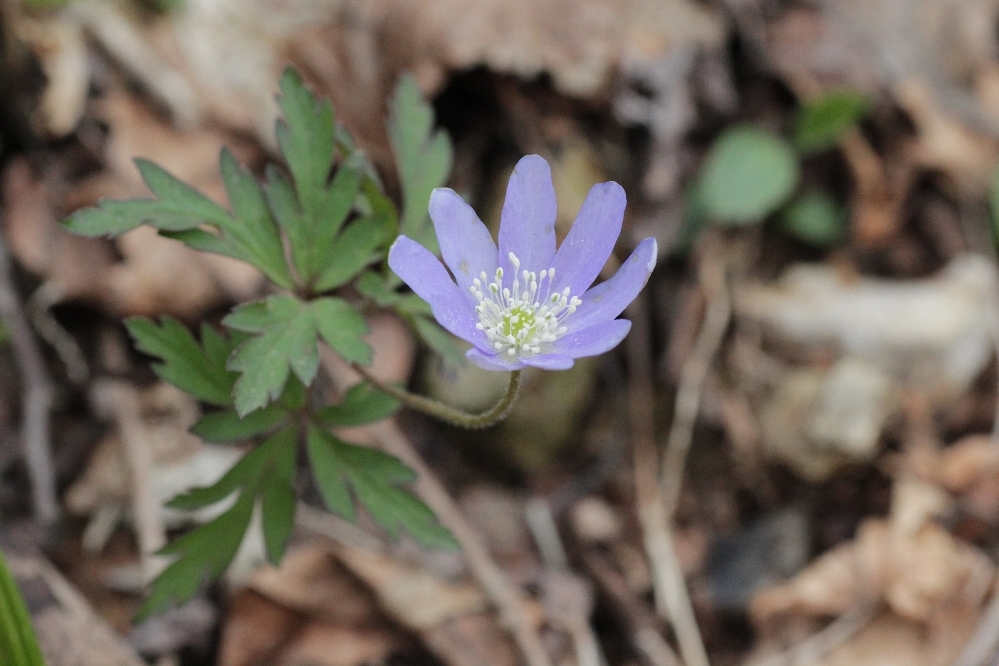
(749, 174)
(18, 644)
(321, 223)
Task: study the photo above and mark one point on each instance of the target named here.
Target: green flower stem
(445, 413)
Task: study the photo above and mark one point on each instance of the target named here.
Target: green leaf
(204, 554)
(439, 340)
(816, 219)
(277, 501)
(251, 229)
(285, 341)
(356, 247)
(227, 426)
(822, 122)
(343, 328)
(18, 644)
(196, 369)
(423, 158)
(306, 136)
(748, 174)
(374, 477)
(362, 404)
(179, 207)
(285, 331)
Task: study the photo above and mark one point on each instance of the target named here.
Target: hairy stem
(445, 413)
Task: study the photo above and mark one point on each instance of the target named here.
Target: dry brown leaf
(323, 644)
(310, 581)
(255, 629)
(916, 574)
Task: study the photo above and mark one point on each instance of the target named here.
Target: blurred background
(812, 363)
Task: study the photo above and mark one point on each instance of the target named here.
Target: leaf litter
(815, 382)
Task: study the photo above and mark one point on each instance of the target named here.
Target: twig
(695, 371)
(35, 427)
(637, 620)
(827, 639)
(570, 612)
(119, 401)
(984, 643)
(39, 309)
(506, 597)
(670, 591)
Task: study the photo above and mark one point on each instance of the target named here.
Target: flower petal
(609, 299)
(466, 245)
(550, 361)
(591, 240)
(497, 362)
(593, 340)
(426, 276)
(527, 223)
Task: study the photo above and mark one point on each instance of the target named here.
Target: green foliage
(285, 330)
(423, 158)
(374, 476)
(747, 175)
(199, 369)
(319, 223)
(816, 219)
(18, 644)
(822, 122)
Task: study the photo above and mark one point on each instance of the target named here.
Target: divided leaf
(375, 478)
(362, 404)
(177, 207)
(285, 331)
(199, 369)
(423, 158)
(263, 474)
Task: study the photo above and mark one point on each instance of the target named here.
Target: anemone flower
(526, 304)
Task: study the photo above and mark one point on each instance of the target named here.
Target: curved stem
(443, 412)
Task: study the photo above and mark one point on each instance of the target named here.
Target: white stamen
(523, 318)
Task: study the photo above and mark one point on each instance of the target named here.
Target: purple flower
(527, 304)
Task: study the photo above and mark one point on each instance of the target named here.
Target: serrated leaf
(18, 643)
(439, 340)
(277, 499)
(362, 404)
(178, 207)
(285, 341)
(196, 369)
(342, 328)
(747, 174)
(374, 477)
(306, 136)
(822, 122)
(355, 248)
(423, 158)
(204, 554)
(227, 426)
(251, 229)
(815, 218)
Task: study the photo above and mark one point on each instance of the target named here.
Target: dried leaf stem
(506, 597)
(36, 404)
(672, 600)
